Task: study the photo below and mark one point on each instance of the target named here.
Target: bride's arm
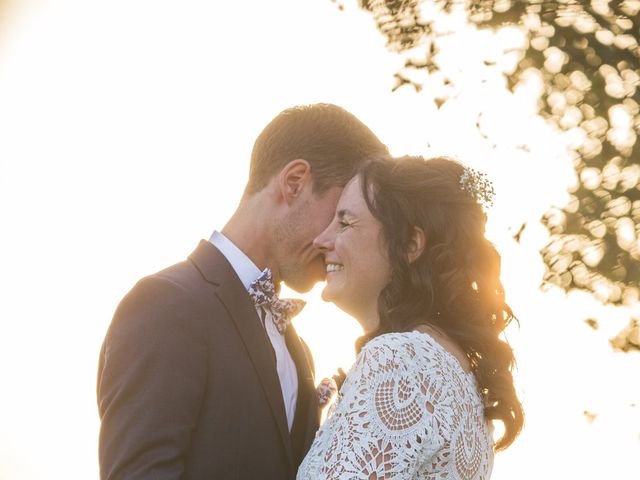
(383, 425)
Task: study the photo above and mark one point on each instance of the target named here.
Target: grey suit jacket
(187, 382)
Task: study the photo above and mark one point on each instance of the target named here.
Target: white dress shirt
(247, 271)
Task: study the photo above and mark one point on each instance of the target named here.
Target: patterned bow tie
(263, 293)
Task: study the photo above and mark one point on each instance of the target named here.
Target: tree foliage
(588, 55)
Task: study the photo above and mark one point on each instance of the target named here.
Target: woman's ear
(293, 177)
(417, 244)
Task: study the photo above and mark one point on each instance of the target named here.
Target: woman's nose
(324, 241)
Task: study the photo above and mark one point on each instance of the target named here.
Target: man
(201, 376)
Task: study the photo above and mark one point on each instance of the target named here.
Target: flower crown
(478, 186)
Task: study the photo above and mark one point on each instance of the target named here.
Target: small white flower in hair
(478, 185)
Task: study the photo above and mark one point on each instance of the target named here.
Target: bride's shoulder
(401, 347)
(383, 355)
(404, 340)
(424, 344)
(390, 340)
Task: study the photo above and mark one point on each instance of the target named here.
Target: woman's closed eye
(344, 225)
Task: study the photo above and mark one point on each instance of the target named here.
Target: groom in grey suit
(198, 381)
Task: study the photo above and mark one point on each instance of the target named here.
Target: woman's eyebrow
(343, 212)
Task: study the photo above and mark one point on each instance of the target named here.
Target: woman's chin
(327, 294)
(331, 294)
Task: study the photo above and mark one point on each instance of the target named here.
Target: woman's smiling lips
(334, 267)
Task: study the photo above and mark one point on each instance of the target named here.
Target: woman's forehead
(351, 195)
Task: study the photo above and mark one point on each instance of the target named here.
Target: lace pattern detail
(407, 410)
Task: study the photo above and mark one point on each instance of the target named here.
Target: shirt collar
(246, 270)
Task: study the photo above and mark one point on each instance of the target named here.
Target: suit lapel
(217, 270)
(307, 415)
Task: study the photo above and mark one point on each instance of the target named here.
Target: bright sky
(125, 132)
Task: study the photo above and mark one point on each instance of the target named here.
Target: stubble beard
(291, 263)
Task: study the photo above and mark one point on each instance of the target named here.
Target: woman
(407, 257)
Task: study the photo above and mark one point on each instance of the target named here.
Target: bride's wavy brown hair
(454, 285)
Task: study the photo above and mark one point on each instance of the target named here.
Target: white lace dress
(406, 410)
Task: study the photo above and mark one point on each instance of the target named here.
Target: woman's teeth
(334, 267)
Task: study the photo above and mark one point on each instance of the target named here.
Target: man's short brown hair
(332, 140)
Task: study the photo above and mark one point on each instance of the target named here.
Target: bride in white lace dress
(407, 257)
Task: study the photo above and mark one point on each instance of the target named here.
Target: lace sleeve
(383, 425)
(407, 410)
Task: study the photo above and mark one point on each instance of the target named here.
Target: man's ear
(293, 178)
(417, 244)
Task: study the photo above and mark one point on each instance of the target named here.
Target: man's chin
(301, 285)
(303, 281)
(299, 288)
